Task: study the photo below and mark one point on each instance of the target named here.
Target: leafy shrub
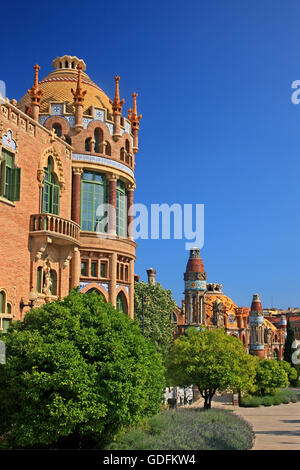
(269, 376)
(188, 430)
(278, 398)
(77, 372)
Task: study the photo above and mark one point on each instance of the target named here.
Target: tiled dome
(57, 87)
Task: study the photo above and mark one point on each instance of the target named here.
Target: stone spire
(35, 94)
(117, 105)
(134, 118)
(79, 95)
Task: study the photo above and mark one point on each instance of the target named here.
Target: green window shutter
(5, 324)
(53, 281)
(55, 200)
(14, 186)
(3, 177)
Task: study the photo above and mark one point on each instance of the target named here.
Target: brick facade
(79, 133)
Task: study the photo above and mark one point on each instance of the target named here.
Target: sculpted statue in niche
(218, 314)
(47, 277)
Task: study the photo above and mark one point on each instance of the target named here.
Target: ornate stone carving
(194, 276)
(218, 314)
(47, 277)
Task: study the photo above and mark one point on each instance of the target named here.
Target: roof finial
(79, 93)
(36, 75)
(135, 122)
(132, 113)
(117, 104)
(35, 94)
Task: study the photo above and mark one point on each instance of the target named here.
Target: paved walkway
(275, 427)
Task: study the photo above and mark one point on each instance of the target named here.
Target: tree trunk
(207, 395)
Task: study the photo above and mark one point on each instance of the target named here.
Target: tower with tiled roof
(194, 289)
(256, 323)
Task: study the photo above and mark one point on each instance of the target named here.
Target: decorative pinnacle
(79, 94)
(35, 92)
(132, 113)
(117, 104)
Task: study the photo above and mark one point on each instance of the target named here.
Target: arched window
(50, 199)
(127, 145)
(121, 303)
(57, 128)
(276, 354)
(121, 209)
(93, 289)
(53, 278)
(93, 196)
(87, 145)
(2, 301)
(98, 136)
(5, 311)
(108, 149)
(122, 154)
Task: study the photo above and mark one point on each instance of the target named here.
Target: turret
(35, 94)
(256, 321)
(117, 105)
(134, 118)
(195, 287)
(151, 275)
(79, 95)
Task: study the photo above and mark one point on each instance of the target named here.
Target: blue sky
(219, 128)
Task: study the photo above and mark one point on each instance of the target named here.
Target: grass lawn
(188, 430)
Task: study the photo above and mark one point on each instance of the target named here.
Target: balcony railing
(54, 225)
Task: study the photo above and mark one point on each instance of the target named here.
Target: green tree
(77, 372)
(288, 345)
(269, 376)
(290, 370)
(211, 360)
(158, 310)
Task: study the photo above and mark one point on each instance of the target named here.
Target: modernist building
(206, 304)
(66, 149)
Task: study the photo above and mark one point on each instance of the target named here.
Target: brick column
(130, 190)
(76, 268)
(113, 279)
(112, 201)
(76, 194)
(131, 289)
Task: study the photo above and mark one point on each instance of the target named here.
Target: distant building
(206, 304)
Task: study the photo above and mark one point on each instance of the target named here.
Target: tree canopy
(269, 376)
(211, 360)
(158, 310)
(77, 372)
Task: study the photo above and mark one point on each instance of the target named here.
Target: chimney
(151, 275)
